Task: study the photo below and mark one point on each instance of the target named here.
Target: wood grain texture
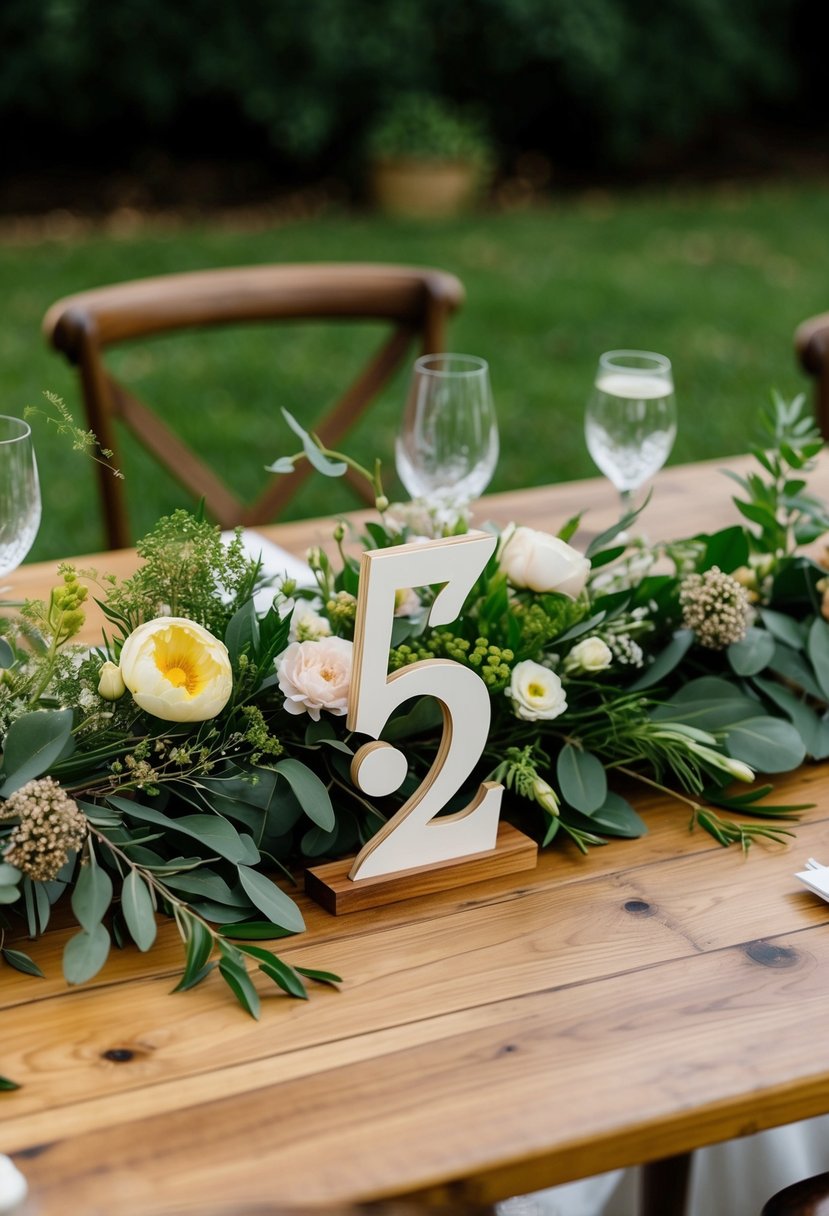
(594, 1012)
(329, 885)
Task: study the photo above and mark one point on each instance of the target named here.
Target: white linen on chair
(730, 1179)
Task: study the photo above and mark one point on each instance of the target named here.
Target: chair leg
(665, 1186)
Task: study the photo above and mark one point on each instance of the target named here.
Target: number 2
(413, 837)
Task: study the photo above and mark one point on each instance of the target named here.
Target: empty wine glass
(630, 422)
(19, 493)
(448, 445)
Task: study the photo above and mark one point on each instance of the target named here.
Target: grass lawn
(717, 280)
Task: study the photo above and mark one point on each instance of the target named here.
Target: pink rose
(316, 675)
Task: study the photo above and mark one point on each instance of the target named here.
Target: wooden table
(658, 995)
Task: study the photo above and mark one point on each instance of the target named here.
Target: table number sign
(418, 849)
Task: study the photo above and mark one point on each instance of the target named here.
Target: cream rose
(590, 655)
(177, 670)
(541, 562)
(536, 692)
(315, 676)
(111, 684)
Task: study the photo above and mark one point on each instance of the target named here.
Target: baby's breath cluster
(49, 826)
(716, 607)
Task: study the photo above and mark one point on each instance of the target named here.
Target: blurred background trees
(592, 87)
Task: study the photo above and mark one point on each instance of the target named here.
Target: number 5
(413, 837)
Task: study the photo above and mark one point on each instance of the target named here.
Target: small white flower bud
(111, 684)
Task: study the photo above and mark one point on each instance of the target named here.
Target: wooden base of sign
(330, 886)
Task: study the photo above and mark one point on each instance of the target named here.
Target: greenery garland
(201, 749)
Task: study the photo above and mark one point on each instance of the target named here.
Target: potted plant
(426, 157)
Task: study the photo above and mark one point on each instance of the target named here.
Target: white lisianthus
(306, 623)
(316, 675)
(111, 684)
(177, 670)
(542, 562)
(589, 656)
(536, 692)
(406, 602)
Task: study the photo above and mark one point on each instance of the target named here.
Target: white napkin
(276, 563)
(816, 878)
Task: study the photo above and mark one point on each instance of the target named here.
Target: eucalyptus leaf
(817, 648)
(309, 791)
(198, 942)
(581, 778)
(791, 665)
(194, 978)
(254, 931)
(241, 985)
(753, 653)
(9, 894)
(91, 895)
(215, 833)
(22, 962)
(783, 628)
(9, 873)
(666, 660)
(804, 719)
(33, 743)
(6, 654)
(769, 745)
(137, 907)
(85, 954)
(270, 899)
(6, 1085)
(284, 976)
(320, 977)
(329, 468)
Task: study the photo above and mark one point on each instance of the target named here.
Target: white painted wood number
(414, 837)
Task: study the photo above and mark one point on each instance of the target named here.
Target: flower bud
(339, 533)
(545, 796)
(381, 503)
(111, 684)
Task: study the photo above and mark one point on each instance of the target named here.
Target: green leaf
(792, 666)
(425, 716)
(9, 894)
(284, 464)
(783, 627)
(666, 660)
(813, 731)
(769, 745)
(753, 653)
(581, 778)
(242, 633)
(320, 977)
(9, 874)
(198, 942)
(254, 931)
(329, 468)
(618, 818)
(6, 654)
(137, 907)
(91, 895)
(22, 962)
(268, 898)
(727, 549)
(599, 542)
(241, 985)
(309, 791)
(708, 703)
(32, 744)
(208, 885)
(194, 978)
(215, 833)
(85, 954)
(817, 648)
(284, 976)
(6, 1086)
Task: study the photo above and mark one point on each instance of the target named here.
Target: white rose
(536, 692)
(177, 670)
(406, 602)
(541, 562)
(589, 655)
(315, 676)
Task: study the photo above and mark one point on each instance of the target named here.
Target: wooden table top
(655, 996)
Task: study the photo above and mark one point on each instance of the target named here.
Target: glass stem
(626, 497)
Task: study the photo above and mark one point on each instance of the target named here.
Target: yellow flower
(177, 670)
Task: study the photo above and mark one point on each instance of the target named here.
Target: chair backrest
(811, 343)
(807, 1198)
(415, 302)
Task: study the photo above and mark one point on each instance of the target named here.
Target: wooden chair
(807, 1198)
(416, 303)
(811, 343)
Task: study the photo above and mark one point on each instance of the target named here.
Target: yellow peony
(177, 670)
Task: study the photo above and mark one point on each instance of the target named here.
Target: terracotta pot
(408, 186)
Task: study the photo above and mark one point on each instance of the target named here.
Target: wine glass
(630, 422)
(19, 493)
(447, 448)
